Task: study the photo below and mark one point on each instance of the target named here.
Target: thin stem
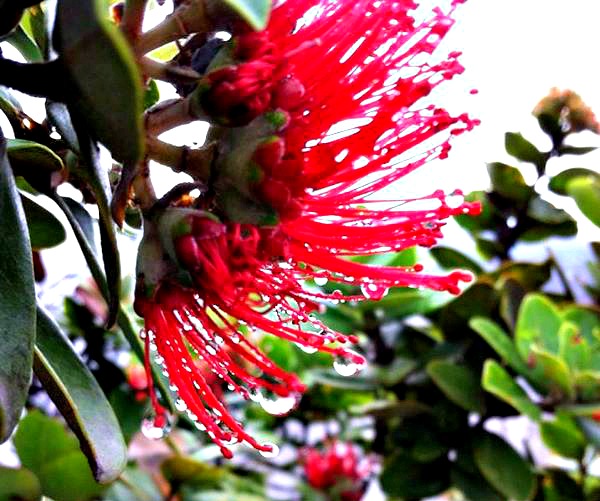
(168, 115)
(133, 18)
(563, 278)
(187, 19)
(143, 188)
(168, 72)
(195, 162)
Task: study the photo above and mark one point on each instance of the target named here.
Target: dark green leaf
(44, 229)
(19, 485)
(558, 184)
(110, 100)
(25, 45)
(402, 302)
(500, 464)
(136, 485)
(406, 478)
(486, 220)
(58, 115)
(564, 437)
(509, 182)
(576, 150)
(80, 399)
(473, 486)
(519, 147)
(254, 12)
(458, 383)
(35, 162)
(17, 302)
(84, 219)
(586, 193)
(499, 383)
(450, 259)
(53, 455)
(544, 231)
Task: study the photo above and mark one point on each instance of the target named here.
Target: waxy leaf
(499, 383)
(80, 399)
(17, 301)
(110, 92)
(586, 193)
(44, 229)
(35, 162)
(502, 467)
(458, 383)
(46, 448)
(254, 12)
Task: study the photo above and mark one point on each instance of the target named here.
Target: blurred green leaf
(555, 370)
(499, 383)
(128, 410)
(406, 478)
(500, 464)
(151, 94)
(538, 323)
(519, 147)
(451, 259)
(586, 193)
(19, 484)
(33, 23)
(543, 211)
(564, 437)
(45, 230)
(544, 231)
(17, 302)
(80, 399)
(558, 183)
(35, 162)
(134, 485)
(84, 219)
(59, 116)
(185, 470)
(83, 33)
(486, 220)
(402, 302)
(458, 383)
(509, 182)
(53, 455)
(473, 486)
(254, 12)
(574, 348)
(21, 41)
(576, 150)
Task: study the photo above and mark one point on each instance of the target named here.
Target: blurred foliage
(442, 368)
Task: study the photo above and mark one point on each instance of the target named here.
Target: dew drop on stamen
(374, 291)
(320, 281)
(156, 427)
(279, 406)
(273, 452)
(346, 367)
(180, 405)
(307, 348)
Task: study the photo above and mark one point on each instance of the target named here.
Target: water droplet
(307, 348)
(143, 334)
(153, 346)
(279, 406)
(320, 281)
(273, 452)
(219, 340)
(349, 365)
(156, 427)
(374, 291)
(180, 405)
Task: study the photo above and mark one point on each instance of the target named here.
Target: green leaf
(499, 383)
(96, 177)
(545, 212)
(151, 94)
(499, 341)
(538, 323)
(555, 370)
(136, 485)
(519, 147)
(33, 23)
(458, 383)
(35, 162)
(254, 12)
(80, 399)
(25, 45)
(17, 302)
(576, 150)
(574, 348)
(586, 193)
(558, 184)
(402, 302)
(564, 437)
(509, 182)
(110, 100)
(406, 478)
(451, 259)
(486, 220)
(44, 229)
(473, 486)
(53, 455)
(84, 219)
(19, 484)
(502, 467)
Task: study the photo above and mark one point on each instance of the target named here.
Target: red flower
(298, 191)
(337, 468)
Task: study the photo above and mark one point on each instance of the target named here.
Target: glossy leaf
(19, 484)
(519, 147)
(586, 193)
(558, 183)
(499, 383)
(458, 383)
(110, 100)
(45, 230)
(254, 12)
(564, 437)
(80, 399)
(502, 466)
(17, 302)
(35, 162)
(58, 115)
(53, 455)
